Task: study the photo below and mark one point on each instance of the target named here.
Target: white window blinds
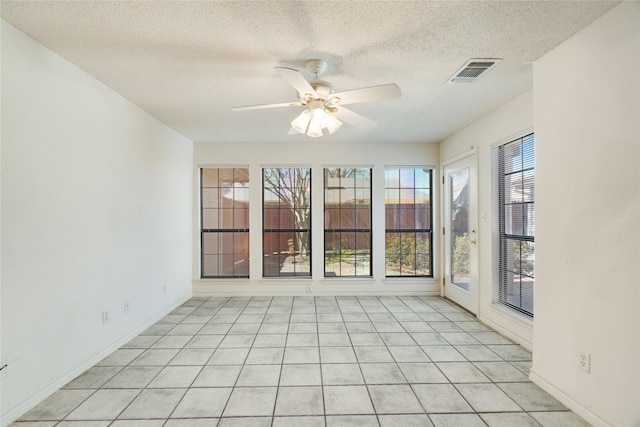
(514, 169)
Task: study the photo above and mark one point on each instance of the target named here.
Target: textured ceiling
(188, 62)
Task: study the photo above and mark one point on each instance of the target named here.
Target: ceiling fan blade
(296, 80)
(366, 94)
(263, 106)
(353, 118)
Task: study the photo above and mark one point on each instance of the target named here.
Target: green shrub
(461, 254)
(406, 252)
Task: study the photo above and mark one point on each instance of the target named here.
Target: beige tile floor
(309, 361)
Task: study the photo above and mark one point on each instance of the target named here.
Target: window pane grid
(286, 222)
(515, 176)
(224, 222)
(347, 222)
(408, 222)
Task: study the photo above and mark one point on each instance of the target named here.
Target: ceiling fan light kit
(325, 110)
(312, 121)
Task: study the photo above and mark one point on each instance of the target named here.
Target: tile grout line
(367, 312)
(324, 408)
(284, 349)
(122, 368)
(235, 384)
(201, 369)
(366, 386)
(418, 345)
(455, 385)
(140, 391)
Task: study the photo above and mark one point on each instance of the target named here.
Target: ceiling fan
(325, 109)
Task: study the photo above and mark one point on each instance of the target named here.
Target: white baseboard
(22, 408)
(508, 325)
(326, 293)
(568, 401)
(269, 287)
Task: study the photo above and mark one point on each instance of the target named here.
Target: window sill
(409, 281)
(242, 281)
(338, 281)
(285, 281)
(515, 315)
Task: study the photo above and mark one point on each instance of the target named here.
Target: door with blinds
(460, 232)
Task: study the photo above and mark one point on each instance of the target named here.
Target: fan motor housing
(322, 88)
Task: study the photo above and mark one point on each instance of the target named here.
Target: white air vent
(473, 69)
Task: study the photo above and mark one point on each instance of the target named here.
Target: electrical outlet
(105, 317)
(126, 307)
(584, 362)
(308, 289)
(164, 289)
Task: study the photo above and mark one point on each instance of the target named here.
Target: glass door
(460, 236)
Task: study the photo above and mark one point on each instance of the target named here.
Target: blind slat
(514, 169)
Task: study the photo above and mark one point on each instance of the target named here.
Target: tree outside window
(286, 222)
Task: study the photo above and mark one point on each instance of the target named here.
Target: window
(514, 176)
(286, 217)
(347, 222)
(408, 225)
(224, 222)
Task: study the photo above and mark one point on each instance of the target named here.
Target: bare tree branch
(291, 186)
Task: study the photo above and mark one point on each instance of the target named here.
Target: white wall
(96, 210)
(316, 153)
(502, 125)
(587, 112)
